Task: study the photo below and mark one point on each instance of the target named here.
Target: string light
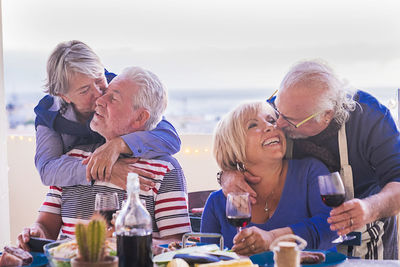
(197, 150)
(186, 150)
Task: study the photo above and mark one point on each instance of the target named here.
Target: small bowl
(57, 261)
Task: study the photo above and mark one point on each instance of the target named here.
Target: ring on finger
(351, 221)
(253, 247)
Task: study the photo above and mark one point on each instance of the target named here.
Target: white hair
(152, 94)
(67, 59)
(317, 74)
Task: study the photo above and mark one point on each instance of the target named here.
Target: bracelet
(219, 174)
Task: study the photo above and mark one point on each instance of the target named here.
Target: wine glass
(238, 210)
(333, 195)
(106, 204)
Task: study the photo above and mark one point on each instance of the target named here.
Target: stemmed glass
(106, 204)
(238, 210)
(333, 195)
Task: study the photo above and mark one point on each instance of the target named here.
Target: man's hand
(252, 240)
(235, 181)
(121, 169)
(355, 213)
(349, 216)
(24, 237)
(102, 160)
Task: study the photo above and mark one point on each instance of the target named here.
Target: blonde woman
(288, 199)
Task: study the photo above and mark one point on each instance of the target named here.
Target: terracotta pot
(109, 261)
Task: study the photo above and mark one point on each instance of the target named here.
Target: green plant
(91, 239)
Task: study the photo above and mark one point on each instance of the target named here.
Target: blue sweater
(300, 208)
(373, 146)
(374, 154)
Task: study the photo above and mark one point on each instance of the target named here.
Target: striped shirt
(166, 202)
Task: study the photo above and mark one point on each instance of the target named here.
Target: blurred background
(210, 54)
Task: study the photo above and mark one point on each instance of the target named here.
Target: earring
(240, 167)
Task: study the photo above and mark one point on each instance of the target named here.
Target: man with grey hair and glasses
(351, 133)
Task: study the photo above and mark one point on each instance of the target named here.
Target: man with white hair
(350, 133)
(135, 101)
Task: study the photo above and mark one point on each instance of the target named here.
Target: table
(367, 263)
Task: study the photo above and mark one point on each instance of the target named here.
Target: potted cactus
(91, 240)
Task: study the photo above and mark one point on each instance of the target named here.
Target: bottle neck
(134, 219)
(133, 197)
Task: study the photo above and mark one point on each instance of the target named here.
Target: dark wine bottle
(133, 228)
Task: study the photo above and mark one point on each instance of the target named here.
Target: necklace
(266, 208)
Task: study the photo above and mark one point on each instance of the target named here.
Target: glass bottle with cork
(133, 228)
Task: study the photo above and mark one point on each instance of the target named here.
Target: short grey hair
(67, 59)
(229, 142)
(317, 74)
(152, 94)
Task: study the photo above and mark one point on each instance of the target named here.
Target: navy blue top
(300, 208)
(374, 155)
(373, 146)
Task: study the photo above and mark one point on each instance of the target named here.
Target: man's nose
(100, 101)
(97, 92)
(268, 126)
(281, 122)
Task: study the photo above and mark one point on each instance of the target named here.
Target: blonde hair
(229, 144)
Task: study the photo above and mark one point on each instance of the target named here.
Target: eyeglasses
(278, 114)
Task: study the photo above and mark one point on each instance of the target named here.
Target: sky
(208, 44)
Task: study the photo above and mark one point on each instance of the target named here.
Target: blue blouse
(299, 208)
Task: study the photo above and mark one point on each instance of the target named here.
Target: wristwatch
(219, 174)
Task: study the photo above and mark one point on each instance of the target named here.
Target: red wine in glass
(238, 210)
(334, 200)
(108, 214)
(106, 204)
(333, 195)
(239, 221)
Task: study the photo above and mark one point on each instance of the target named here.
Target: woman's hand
(24, 237)
(102, 160)
(349, 216)
(236, 181)
(121, 169)
(252, 240)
